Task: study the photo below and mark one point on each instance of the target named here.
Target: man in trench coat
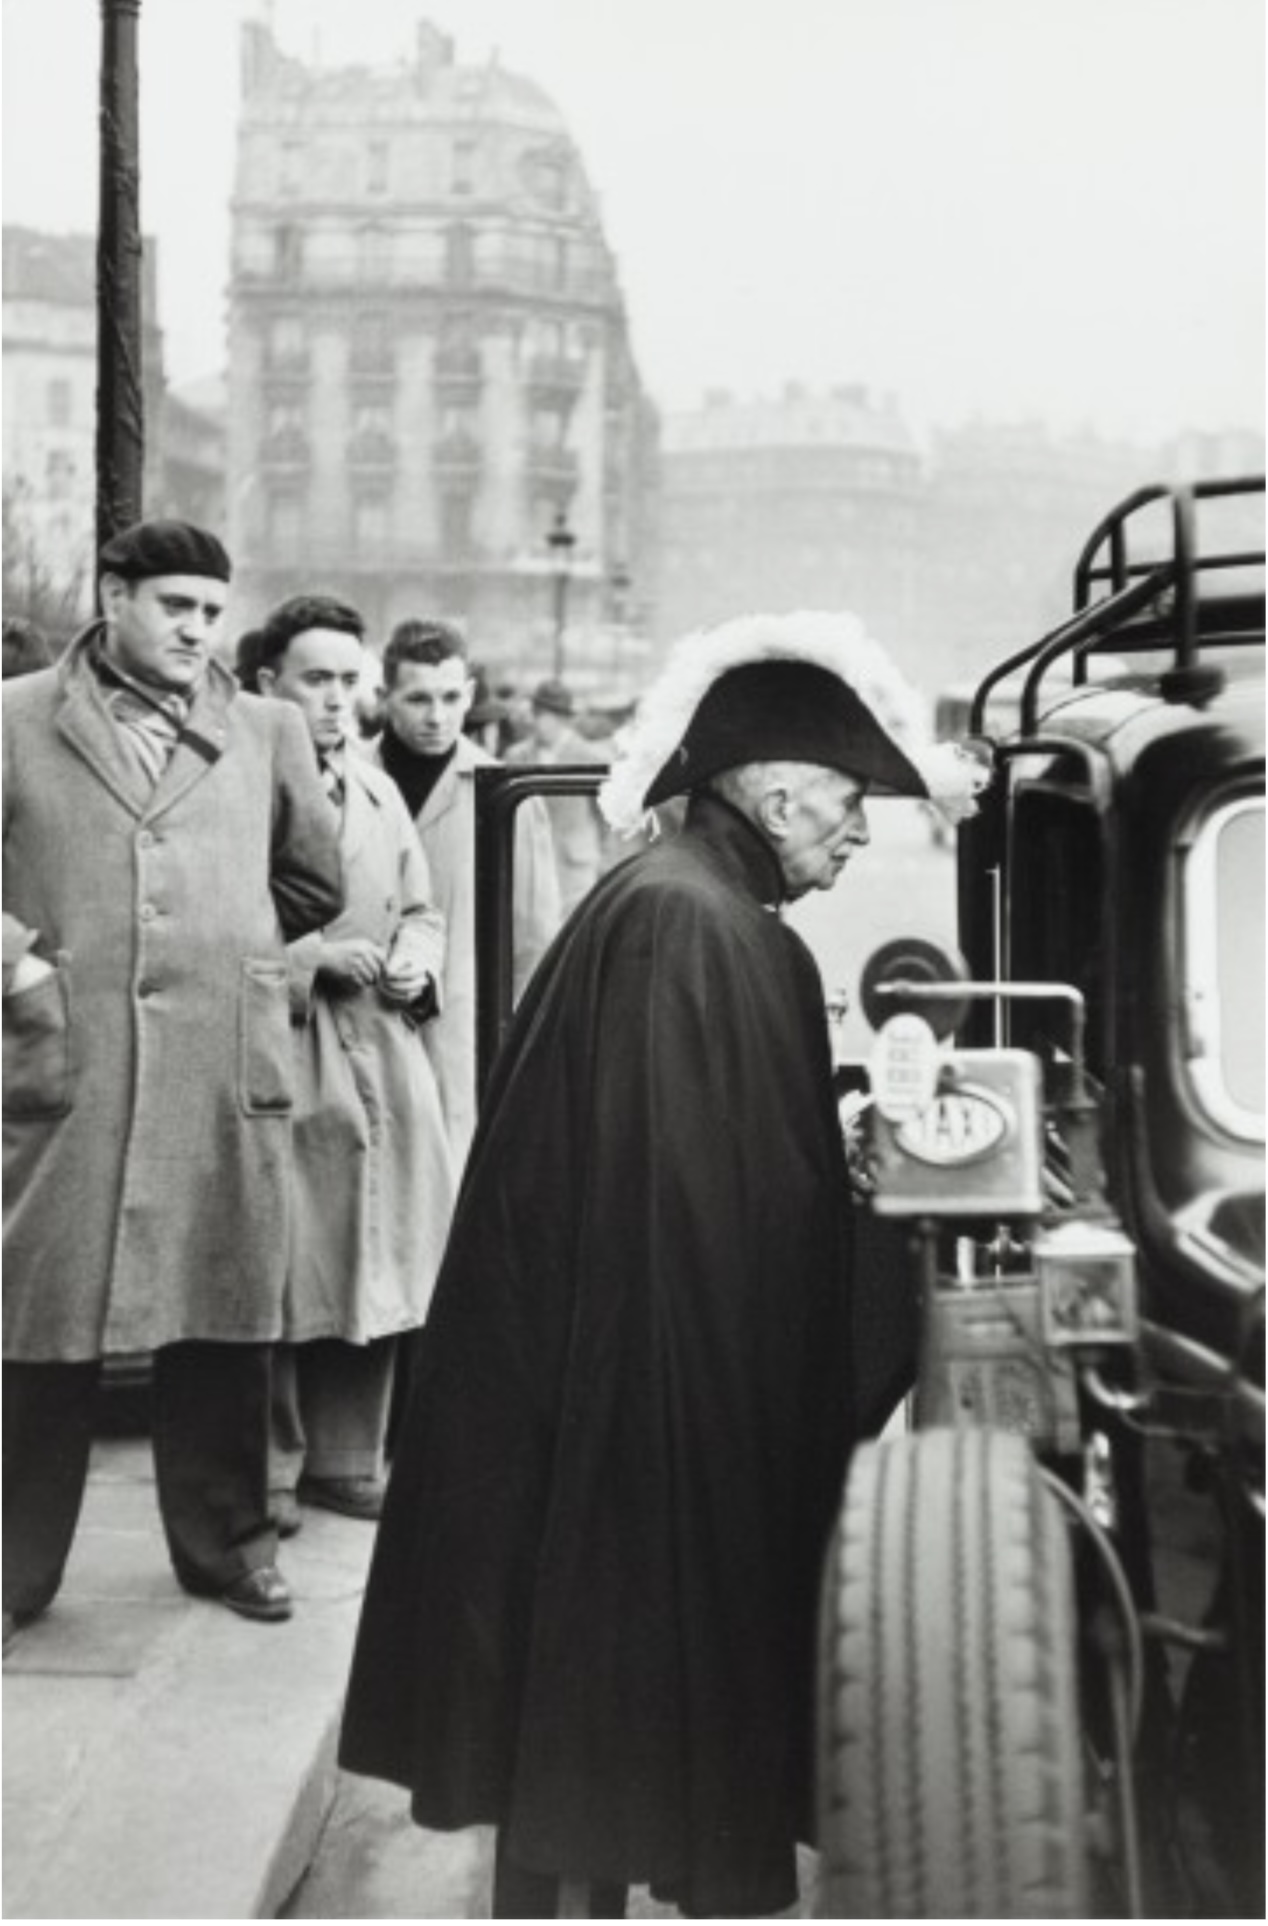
(373, 1173)
(590, 1616)
(164, 835)
(428, 691)
(576, 826)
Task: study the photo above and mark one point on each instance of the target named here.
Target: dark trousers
(520, 1894)
(211, 1444)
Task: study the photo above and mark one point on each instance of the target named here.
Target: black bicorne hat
(784, 711)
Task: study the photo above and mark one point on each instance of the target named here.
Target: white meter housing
(972, 1148)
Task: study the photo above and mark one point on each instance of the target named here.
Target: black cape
(590, 1613)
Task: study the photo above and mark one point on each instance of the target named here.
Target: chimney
(432, 51)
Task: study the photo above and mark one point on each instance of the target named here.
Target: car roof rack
(1151, 604)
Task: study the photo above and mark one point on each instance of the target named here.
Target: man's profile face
(162, 630)
(825, 823)
(321, 674)
(427, 704)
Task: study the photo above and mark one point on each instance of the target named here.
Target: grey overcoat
(374, 1180)
(148, 1082)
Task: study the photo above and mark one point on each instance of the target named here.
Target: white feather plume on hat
(836, 641)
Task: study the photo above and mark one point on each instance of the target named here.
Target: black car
(1043, 1621)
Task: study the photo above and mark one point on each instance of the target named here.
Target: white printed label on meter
(903, 1067)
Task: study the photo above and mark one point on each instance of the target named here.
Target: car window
(1223, 910)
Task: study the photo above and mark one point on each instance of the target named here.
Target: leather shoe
(354, 1497)
(262, 1593)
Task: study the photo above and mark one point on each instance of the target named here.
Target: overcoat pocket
(265, 1049)
(37, 1055)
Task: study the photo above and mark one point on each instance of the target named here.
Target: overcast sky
(1020, 208)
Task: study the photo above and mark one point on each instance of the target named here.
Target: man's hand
(404, 980)
(353, 961)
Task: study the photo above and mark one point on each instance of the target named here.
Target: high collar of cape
(740, 849)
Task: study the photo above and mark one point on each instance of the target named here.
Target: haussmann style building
(802, 499)
(429, 361)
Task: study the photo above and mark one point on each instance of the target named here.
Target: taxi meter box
(959, 1135)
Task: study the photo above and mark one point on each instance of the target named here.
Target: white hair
(746, 784)
(835, 641)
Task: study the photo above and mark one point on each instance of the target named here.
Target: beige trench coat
(446, 829)
(148, 1082)
(374, 1183)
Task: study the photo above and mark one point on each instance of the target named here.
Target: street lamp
(120, 453)
(619, 582)
(561, 542)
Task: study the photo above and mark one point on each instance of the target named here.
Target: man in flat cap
(589, 1620)
(164, 837)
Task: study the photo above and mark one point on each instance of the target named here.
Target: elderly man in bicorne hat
(590, 1615)
(164, 837)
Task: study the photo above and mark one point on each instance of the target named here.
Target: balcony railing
(372, 449)
(458, 364)
(553, 466)
(457, 454)
(286, 448)
(287, 364)
(373, 362)
(557, 374)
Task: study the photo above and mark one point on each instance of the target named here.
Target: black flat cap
(784, 711)
(164, 548)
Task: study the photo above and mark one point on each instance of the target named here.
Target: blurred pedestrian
(590, 1616)
(373, 1173)
(427, 695)
(576, 827)
(246, 660)
(164, 835)
(486, 718)
(26, 647)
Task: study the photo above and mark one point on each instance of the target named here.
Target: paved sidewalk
(163, 1758)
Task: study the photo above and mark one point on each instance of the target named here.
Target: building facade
(804, 500)
(429, 360)
(191, 481)
(954, 552)
(49, 422)
(50, 427)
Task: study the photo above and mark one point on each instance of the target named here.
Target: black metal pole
(120, 399)
(561, 541)
(561, 618)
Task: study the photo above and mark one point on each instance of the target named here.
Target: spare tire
(949, 1760)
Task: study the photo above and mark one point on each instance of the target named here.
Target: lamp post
(561, 542)
(120, 406)
(619, 585)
